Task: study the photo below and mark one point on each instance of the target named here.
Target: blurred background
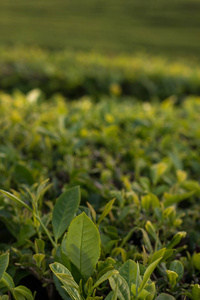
(170, 28)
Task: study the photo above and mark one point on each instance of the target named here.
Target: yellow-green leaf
(83, 244)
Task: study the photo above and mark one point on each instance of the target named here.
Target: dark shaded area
(35, 285)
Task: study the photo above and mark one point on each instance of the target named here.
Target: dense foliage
(78, 74)
(119, 216)
(162, 27)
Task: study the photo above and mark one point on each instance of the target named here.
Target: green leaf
(66, 278)
(107, 209)
(129, 272)
(148, 273)
(59, 270)
(4, 260)
(42, 189)
(149, 200)
(168, 253)
(115, 293)
(59, 288)
(103, 278)
(64, 211)
(18, 296)
(151, 289)
(89, 286)
(151, 230)
(38, 257)
(4, 297)
(192, 185)
(23, 174)
(83, 244)
(157, 171)
(123, 292)
(16, 199)
(176, 239)
(93, 212)
(196, 260)
(8, 281)
(119, 251)
(137, 279)
(169, 211)
(177, 267)
(26, 231)
(181, 176)
(196, 292)
(143, 294)
(112, 295)
(164, 296)
(146, 240)
(133, 289)
(172, 277)
(39, 246)
(24, 291)
(73, 294)
(171, 199)
(158, 254)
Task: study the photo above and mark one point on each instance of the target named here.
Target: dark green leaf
(64, 210)
(4, 260)
(164, 296)
(129, 272)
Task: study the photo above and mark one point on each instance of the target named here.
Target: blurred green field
(76, 74)
(101, 98)
(144, 155)
(170, 27)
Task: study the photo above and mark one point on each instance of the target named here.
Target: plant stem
(46, 231)
(9, 295)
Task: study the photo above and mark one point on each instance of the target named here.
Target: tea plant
(119, 217)
(78, 74)
(76, 253)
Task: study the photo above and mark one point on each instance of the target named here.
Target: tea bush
(78, 74)
(118, 217)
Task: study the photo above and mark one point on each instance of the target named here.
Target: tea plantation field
(99, 177)
(164, 27)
